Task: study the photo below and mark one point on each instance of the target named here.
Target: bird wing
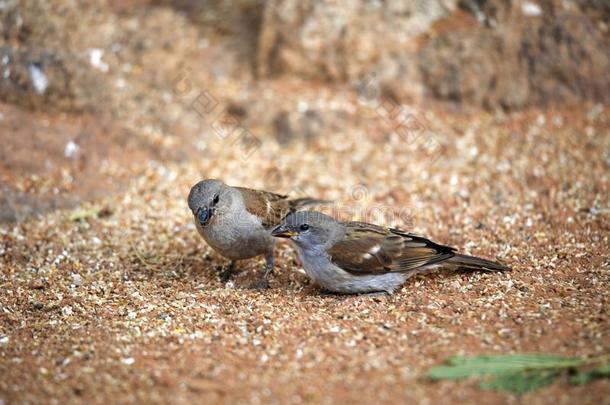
(271, 208)
(371, 249)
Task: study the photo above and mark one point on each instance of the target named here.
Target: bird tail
(299, 203)
(476, 263)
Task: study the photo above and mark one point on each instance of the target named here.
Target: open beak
(281, 232)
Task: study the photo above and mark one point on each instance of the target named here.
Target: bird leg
(262, 283)
(227, 272)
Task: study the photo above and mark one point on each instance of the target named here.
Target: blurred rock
(289, 126)
(559, 55)
(219, 16)
(332, 41)
(42, 80)
(53, 24)
(44, 64)
(492, 54)
(234, 27)
(467, 68)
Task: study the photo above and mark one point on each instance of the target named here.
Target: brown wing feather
(369, 249)
(271, 208)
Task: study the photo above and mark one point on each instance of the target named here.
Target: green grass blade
(584, 377)
(463, 367)
(522, 382)
(80, 215)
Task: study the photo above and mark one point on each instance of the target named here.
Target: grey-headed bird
(357, 257)
(236, 221)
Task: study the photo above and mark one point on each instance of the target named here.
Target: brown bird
(236, 221)
(357, 257)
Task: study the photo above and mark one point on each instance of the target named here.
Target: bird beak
(281, 232)
(203, 215)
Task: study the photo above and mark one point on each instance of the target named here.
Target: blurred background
(482, 124)
(93, 90)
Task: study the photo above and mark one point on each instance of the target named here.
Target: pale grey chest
(322, 271)
(239, 237)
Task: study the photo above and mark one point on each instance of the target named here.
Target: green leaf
(79, 215)
(520, 374)
(463, 367)
(522, 382)
(584, 377)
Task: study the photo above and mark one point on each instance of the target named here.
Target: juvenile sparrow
(236, 221)
(357, 257)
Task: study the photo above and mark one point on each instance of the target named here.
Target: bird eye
(216, 199)
(304, 227)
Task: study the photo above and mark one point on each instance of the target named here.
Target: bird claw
(226, 274)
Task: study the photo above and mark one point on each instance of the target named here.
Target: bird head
(205, 198)
(309, 229)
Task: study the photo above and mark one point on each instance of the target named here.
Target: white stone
(38, 78)
(71, 149)
(531, 9)
(95, 59)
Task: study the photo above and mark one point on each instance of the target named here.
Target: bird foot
(226, 273)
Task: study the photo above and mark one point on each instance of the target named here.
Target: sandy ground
(126, 305)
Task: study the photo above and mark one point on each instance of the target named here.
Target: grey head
(310, 230)
(207, 198)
